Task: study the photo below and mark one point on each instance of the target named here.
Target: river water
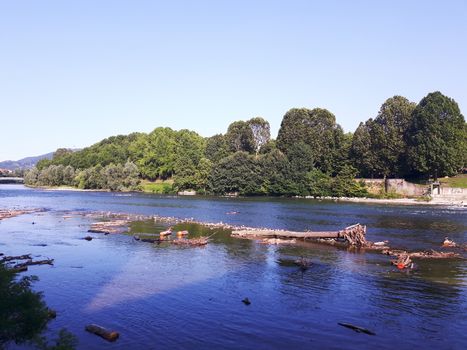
(163, 297)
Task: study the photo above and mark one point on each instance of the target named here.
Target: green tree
(318, 183)
(189, 150)
(239, 172)
(202, 174)
(216, 148)
(318, 129)
(436, 137)
(388, 130)
(240, 137)
(155, 153)
(276, 174)
(362, 155)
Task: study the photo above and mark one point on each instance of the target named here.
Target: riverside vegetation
(311, 155)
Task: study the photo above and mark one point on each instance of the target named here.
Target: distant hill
(25, 163)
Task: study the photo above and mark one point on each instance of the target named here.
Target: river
(166, 297)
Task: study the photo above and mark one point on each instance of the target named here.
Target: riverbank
(436, 201)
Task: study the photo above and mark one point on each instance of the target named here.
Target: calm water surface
(161, 297)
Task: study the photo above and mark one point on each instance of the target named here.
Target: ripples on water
(167, 297)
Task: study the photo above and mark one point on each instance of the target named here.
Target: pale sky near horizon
(75, 72)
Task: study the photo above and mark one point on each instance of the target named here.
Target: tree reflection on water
(24, 314)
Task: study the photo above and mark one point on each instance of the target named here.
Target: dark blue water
(161, 297)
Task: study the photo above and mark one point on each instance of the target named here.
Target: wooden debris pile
(403, 259)
(106, 227)
(355, 235)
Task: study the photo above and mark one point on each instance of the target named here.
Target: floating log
(354, 235)
(356, 328)
(87, 238)
(102, 332)
(149, 240)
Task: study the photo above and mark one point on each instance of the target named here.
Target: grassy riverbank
(459, 181)
(158, 186)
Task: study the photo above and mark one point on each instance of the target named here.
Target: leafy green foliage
(318, 129)
(216, 148)
(240, 137)
(239, 173)
(311, 156)
(437, 137)
(378, 146)
(24, 314)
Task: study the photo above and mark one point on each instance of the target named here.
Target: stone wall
(399, 186)
(451, 192)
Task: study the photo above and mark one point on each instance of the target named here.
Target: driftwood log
(102, 332)
(30, 262)
(354, 235)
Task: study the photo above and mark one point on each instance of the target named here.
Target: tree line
(310, 156)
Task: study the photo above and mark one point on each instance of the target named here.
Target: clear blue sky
(74, 72)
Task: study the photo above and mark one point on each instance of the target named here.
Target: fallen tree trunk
(30, 262)
(19, 257)
(354, 235)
